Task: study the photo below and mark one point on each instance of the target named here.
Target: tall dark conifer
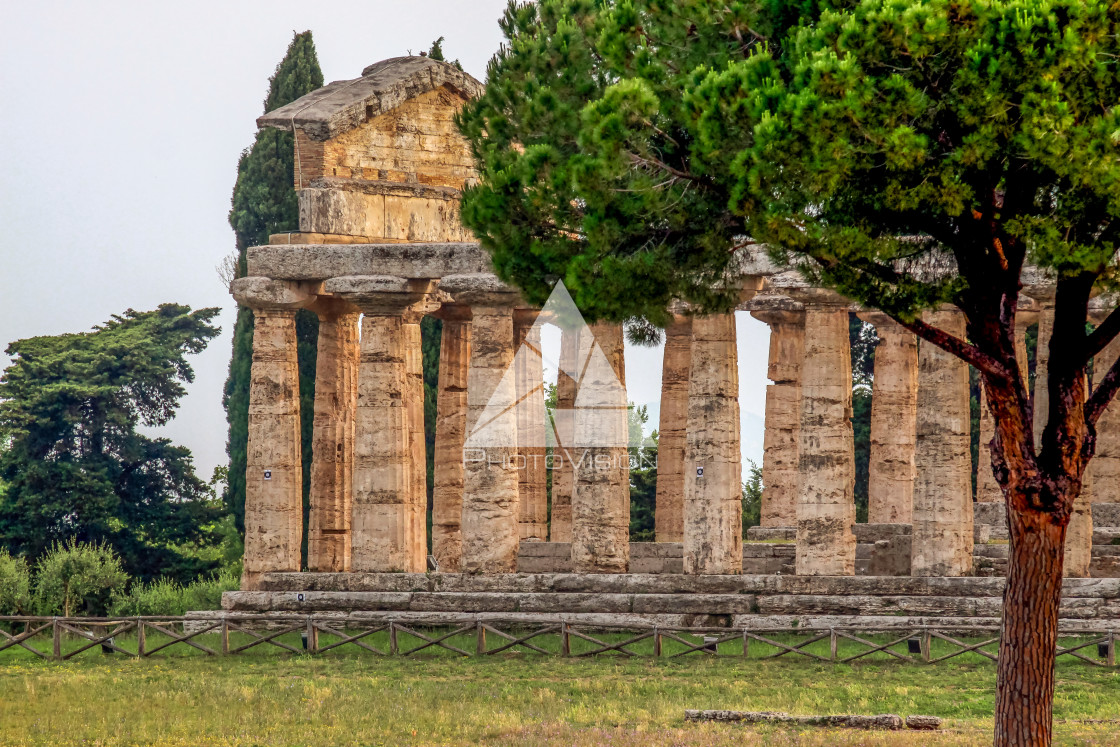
(264, 202)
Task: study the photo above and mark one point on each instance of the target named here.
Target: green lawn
(356, 698)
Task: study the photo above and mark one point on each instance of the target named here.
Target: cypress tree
(264, 202)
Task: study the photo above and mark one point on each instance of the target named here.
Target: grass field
(281, 700)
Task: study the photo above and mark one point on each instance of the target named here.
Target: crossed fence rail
(147, 636)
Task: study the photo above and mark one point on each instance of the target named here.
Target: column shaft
(1105, 465)
(942, 535)
(564, 455)
(383, 518)
(826, 508)
(672, 431)
(274, 472)
(418, 447)
(332, 447)
(451, 430)
(532, 486)
(490, 498)
(713, 511)
(601, 501)
(780, 469)
(894, 405)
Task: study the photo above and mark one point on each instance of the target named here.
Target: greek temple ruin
(379, 170)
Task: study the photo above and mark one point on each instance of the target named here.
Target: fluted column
(987, 489)
(451, 432)
(386, 522)
(1105, 465)
(826, 510)
(532, 486)
(672, 431)
(274, 470)
(894, 404)
(491, 512)
(601, 500)
(942, 534)
(780, 469)
(565, 454)
(713, 509)
(332, 440)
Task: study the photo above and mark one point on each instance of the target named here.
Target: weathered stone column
(672, 431)
(601, 501)
(532, 476)
(274, 463)
(565, 454)
(894, 406)
(826, 509)
(490, 492)
(780, 469)
(384, 522)
(451, 432)
(418, 445)
(713, 508)
(987, 489)
(1105, 465)
(332, 440)
(942, 534)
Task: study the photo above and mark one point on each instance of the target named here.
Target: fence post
(832, 644)
(56, 634)
(746, 644)
(1111, 660)
(312, 636)
(656, 641)
(927, 639)
(565, 641)
(225, 636)
(141, 638)
(393, 638)
(480, 641)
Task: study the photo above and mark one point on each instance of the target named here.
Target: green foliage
(168, 597)
(752, 498)
(15, 585)
(863, 341)
(436, 53)
(264, 202)
(643, 477)
(431, 335)
(75, 578)
(75, 464)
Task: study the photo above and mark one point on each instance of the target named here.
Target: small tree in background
(15, 585)
(264, 202)
(78, 578)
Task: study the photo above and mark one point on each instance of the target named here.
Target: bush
(15, 585)
(78, 578)
(164, 597)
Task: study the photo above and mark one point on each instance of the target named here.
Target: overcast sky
(121, 126)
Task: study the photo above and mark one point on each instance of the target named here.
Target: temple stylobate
(380, 168)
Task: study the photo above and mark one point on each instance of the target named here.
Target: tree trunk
(1025, 689)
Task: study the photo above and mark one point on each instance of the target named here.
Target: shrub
(15, 585)
(165, 597)
(77, 578)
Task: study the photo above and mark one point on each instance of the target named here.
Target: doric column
(274, 464)
(601, 500)
(713, 508)
(529, 367)
(780, 467)
(490, 492)
(564, 455)
(826, 510)
(894, 405)
(1105, 465)
(451, 432)
(418, 444)
(332, 440)
(987, 489)
(942, 534)
(1041, 369)
(386, 521)
(672, 431)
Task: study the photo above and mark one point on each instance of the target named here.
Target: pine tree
(264, 202)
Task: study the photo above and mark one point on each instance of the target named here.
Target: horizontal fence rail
(61, 639)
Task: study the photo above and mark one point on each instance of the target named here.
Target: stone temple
(379, 171)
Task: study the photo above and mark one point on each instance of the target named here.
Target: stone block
(771, 534)
(1106, 514)
(872, 533)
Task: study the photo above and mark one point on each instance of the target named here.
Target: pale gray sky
(121, 125)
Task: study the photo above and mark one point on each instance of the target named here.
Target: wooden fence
(66, 638)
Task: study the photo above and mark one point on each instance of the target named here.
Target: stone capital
(778, 316)
(883, 323)
(332, 307)
(453, 312)
(266, 294)
(481, 290)
(380, 295)
(822, 298)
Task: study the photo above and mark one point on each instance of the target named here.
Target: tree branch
(1104, 392)
(955, 346)
(1105, 333)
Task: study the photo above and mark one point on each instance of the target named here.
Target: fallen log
(886, 721)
